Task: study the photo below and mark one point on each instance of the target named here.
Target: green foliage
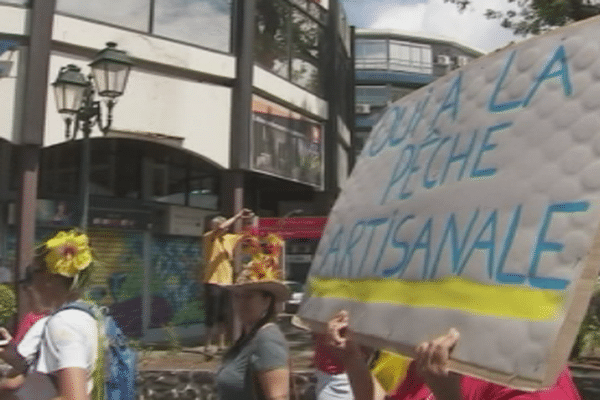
(192, 312)
(8, 303)
(133, 283)
(532, 17)
(589, 330)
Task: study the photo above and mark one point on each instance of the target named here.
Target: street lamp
(75, 100)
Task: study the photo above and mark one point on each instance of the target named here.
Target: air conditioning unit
(443, 59)
(363, 108)
(461, 61)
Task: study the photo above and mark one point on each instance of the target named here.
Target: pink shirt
(324, 359)
(26, 322)
(413, 388)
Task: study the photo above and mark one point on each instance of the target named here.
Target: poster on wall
(285, 143)
(475, 204)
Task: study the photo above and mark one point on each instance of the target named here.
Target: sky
(433, 17)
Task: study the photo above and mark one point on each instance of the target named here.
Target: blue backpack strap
(78, 305)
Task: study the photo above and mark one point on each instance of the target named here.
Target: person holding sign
(428, 377)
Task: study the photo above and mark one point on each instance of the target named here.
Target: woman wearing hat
(257, 365)
(58, 353)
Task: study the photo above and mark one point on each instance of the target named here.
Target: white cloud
(435, 17)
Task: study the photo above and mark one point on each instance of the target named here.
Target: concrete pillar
(32, 131)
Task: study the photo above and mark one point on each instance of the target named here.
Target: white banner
(475, 205)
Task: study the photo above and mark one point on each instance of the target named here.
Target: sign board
(475, 204)
(119, 218)
(186, 221)
(293, 227)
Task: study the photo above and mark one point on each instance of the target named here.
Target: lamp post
(75, 100)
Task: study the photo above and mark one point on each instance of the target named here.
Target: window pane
(203, 193)
(316, 11)
(128, 180)
(271, 47)
(299, 3)
(399, 56)
(134, 14)
(373, 95)
(371, 54)
(410, 57)
(427, 60)
(285, 143)
(169, 183)
(305, 61)
(203, 22)
(21, 2)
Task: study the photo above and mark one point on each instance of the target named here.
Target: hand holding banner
(475, 204)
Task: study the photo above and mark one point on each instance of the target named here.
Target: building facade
(229, 104)
(391, 64)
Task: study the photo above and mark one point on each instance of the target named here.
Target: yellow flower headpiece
(264, 265)
(264, 268)
(68, 253)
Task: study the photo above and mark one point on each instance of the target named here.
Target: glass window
(169, 182)
(20, 2)
(371, 54)
(285, 143)
(271, 46)
(134, 14)
(305, 61)
(411, 57)
(299, 3)
(203, 193)
(317, 12)
(206, 23)
(288, 41)
(426, 58)
(60, 172)
(373, 95)
(128, 177)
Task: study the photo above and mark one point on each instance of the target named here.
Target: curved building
(229, 104)
(391, 64)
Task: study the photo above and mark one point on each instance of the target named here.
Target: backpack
(115, 372)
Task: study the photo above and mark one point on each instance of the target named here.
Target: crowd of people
(55, 351)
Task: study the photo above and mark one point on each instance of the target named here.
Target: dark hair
(247, 337)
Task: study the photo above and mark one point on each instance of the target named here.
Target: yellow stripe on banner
(455, 293)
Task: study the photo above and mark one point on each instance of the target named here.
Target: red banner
(294, 227)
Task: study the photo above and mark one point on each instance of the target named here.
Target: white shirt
(70, 341)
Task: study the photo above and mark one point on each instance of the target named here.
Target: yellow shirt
(390, 369)
(218, 254)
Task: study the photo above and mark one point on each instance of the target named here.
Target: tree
(537, 16)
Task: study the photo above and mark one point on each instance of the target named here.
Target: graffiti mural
(118, 278)
(175, 262)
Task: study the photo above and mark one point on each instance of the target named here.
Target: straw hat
(263, 272)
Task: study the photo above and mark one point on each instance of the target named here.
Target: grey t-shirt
(266, 351)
